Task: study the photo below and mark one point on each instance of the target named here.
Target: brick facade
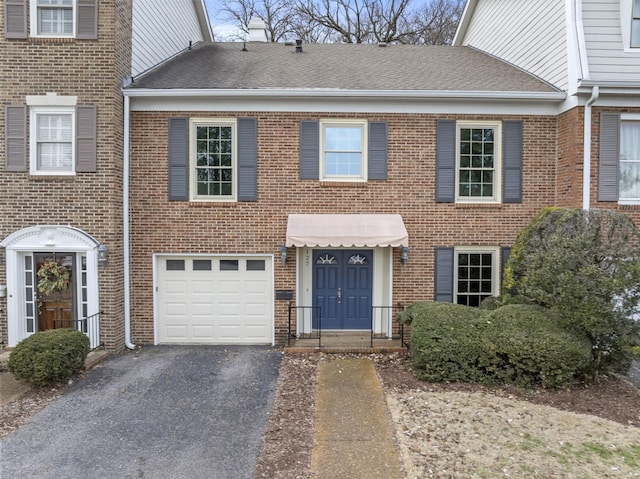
(93, 71)
(162, 226)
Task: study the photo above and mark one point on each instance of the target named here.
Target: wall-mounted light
(283, 253)
(404, 255)
(103, 254)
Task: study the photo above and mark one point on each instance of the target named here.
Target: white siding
(608, 59)
(161, 28)
(528, 34)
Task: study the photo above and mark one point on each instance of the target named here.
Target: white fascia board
(351, 94)
(203, 19)
(348, 101)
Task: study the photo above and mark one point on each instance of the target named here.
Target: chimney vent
(298, 46)
(257, 30)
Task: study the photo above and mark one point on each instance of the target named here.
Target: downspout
(125, 227)
(586, 171)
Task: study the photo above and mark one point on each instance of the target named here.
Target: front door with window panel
(342, 288)
(54, 309)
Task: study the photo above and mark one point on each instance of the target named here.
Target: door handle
(339, 295)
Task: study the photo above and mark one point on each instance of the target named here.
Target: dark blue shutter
(378, 156)
(86, 144)
(445, 161)
(87, 19)
(179, 158)
(309, 150)
(247, 159)
(504, 258)
(444, 275)
(16, 138)
(512, 162)
(15, 18)
(609, 163)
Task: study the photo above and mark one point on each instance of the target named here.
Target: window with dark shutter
(378, 155)
(512, 161)
(445, 161)
(309, 150)
(179, 158)
(609, 163)
(86, 145)
(15, 18)
(247, 159)
(16, 138)
(87, 19)
(444, 275)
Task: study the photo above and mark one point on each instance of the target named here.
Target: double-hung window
(635, 24)
(478, 162)
(343, 150)
(629, 178)
(53, 18)
(52, 143)
(214, 164)
(476, 275)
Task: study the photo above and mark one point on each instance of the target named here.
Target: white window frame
(363, 125)
(34, 23)
(495, 266)
(193, 150)
(497, 162)
(626, 24)
(34, 112)
(635, 118)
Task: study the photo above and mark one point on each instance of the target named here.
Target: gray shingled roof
(338, 66)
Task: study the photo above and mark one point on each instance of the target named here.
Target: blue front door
(342, 282)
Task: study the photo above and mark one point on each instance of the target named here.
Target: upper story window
(213, 158)
(343, 150)
(478, 162)
(52, 140)
(53, 18)
(635, 25)
(629, 160)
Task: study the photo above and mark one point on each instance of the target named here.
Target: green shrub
(49, 356)
(534, 350)
(519, 344)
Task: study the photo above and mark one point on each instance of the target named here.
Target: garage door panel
(213, 306)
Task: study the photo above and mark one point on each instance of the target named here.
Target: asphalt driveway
(162, 412)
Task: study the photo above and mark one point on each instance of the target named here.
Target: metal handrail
(89, 325)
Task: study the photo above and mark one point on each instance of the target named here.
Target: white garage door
(214, 300)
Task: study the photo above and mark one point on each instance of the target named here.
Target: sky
(221, 31)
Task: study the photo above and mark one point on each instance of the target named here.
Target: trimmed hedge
(48, 357)
(519, 344)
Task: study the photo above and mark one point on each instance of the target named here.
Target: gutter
(125, 227)
(551, 96)
(586, 170)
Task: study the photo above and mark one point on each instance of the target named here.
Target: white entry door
(214, 300)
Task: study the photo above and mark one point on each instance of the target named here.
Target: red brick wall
(161, 226)
(93, 71)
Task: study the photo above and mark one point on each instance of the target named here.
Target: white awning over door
(346, 230)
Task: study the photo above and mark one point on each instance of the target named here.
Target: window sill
(487, 206)
(212, 204)
(343, 184)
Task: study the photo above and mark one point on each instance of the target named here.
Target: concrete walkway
(353, 435)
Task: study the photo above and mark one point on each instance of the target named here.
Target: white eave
(273, 93)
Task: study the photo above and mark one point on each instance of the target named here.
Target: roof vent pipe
(298, 46)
